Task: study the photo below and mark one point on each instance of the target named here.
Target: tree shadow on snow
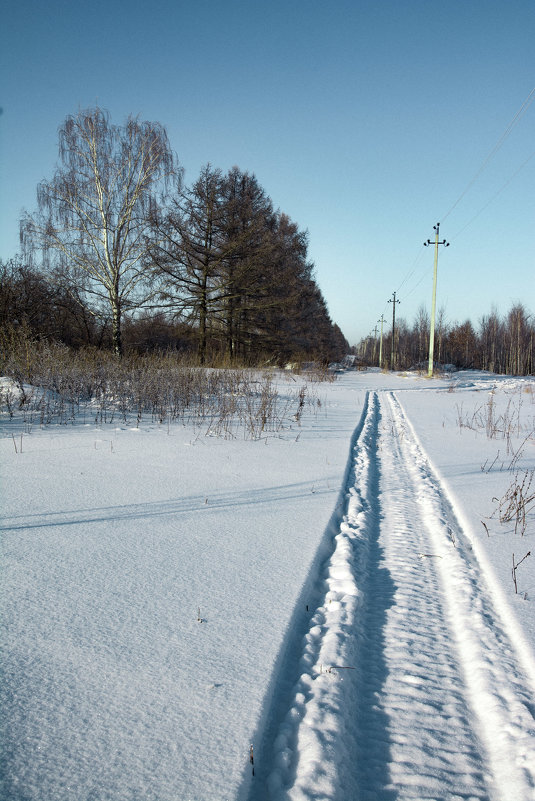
(170, 508)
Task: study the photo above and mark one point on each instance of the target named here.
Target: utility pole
(393, 301)
(375, 341)
(381, 340)
(434, 300)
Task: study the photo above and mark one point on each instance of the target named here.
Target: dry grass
(50, 384)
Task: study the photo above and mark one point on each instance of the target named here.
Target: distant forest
(499, 344)
(120, 254)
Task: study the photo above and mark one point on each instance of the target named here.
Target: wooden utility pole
(434, 299)
(393, 301)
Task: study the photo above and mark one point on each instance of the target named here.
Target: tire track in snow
(499, 693)
(408, 687)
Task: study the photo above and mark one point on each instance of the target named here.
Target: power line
(519, 114)
(509, 128)
(415, 287)
(381, 320)
(393, 301)
(434, 301)
(495, 195)
(412, 271)
(424, 274)
(504, 186)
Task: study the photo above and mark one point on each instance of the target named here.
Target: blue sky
(364, 121)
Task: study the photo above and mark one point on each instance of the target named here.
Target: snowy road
(407, 684)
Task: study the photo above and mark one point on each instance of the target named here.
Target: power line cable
(413, 269)
(425, 274)
(519, 114)
(407, 277)
(494, 196)
(481, 210)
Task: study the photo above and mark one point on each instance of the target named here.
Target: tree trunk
(203, 314)
(116, 328)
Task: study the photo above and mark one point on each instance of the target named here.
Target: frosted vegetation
(51, 385)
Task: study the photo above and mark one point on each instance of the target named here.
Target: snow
(357, 625)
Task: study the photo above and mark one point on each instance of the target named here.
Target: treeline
(121, 254)
(499, 344)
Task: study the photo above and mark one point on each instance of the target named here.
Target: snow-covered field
(359, 628)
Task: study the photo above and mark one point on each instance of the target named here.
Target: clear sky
(364, 120)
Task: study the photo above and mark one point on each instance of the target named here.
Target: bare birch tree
(92, 223)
